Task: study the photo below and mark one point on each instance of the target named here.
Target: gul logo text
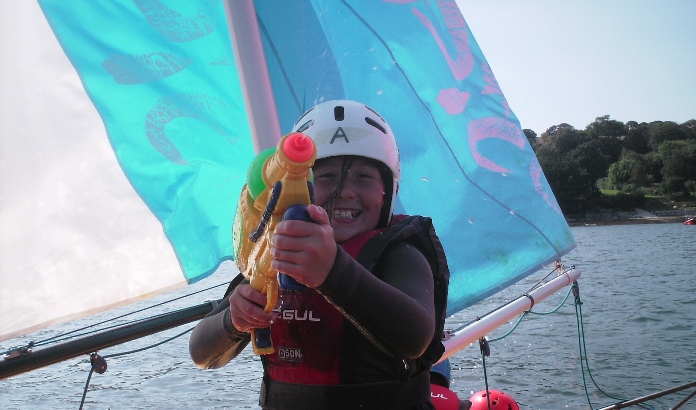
(297, 315)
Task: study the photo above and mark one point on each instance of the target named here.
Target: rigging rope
(584, 363)
(583, 351)
(484, 341)
(575, 289)
(485, 352)
(96, 363)
(61, 337)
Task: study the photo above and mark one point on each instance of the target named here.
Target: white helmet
(344, 127)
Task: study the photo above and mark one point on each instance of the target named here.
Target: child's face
(356, 209)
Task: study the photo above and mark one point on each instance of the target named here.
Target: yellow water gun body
(277, 179)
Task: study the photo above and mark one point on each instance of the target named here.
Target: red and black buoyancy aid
(315, 344)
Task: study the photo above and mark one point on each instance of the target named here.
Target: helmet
(498, 399)
(344, 127)
(444, 398)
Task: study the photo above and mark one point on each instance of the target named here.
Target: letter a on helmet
(344, 127)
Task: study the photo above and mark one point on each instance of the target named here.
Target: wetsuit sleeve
(395, 312)
(215, 341)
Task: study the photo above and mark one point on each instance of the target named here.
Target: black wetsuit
(390, 299)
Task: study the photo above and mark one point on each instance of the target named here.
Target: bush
(690, 187)
(673, 185)
(624, 202)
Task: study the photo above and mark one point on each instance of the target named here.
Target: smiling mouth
(345, 213)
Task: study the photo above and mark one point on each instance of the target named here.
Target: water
(639, 310)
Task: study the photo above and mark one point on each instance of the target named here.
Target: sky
(571, 61)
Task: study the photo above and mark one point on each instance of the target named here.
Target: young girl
(367, 329)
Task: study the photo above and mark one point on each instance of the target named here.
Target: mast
(253, 73)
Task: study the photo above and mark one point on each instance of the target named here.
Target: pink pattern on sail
(493, 127)
(492, 86)
(462, 65)
(535, 173)
(453, 100)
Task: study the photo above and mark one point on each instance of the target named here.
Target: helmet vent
(375, 124)
(339, 113)
(305, 126)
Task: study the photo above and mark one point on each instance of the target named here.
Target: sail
(465, 161)
(114, 178)
(162, 78)
(74, 235)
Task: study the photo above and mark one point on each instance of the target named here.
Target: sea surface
(638, 294)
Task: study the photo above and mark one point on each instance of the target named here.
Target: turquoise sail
(169, 95)
(165, 84)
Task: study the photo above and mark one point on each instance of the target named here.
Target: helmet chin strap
(395, 190)
(388, 197)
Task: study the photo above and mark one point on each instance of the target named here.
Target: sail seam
(272, 46)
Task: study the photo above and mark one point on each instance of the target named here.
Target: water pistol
(278, 179)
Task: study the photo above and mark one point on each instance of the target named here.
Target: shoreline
(628, 221)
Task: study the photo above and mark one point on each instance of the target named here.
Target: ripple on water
(637, 289)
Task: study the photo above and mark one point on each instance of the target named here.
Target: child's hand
(246, 309)
(305, 250)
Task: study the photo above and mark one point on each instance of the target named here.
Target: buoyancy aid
(420, 233)
(316, 344)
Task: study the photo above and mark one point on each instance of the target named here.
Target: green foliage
(562, 138)
(623, 202)
(632, 169)
(637, 137)
(635, 159)
(575, 189)
(661, 131)
(678, 165)
(689, 128)
(531, 136)
(673, 185)
(609, 134)
(690, 187)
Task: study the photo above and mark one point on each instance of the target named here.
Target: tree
(633, 156)
(610, 133)
(661, 131)
(637, 137)
(531, 137)
(574, 187)
(678, 165)
(591, 160)
(630, 172)
(653, 163)
(605, 127)
(620, 173)
(563, 138)
(689, 128)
